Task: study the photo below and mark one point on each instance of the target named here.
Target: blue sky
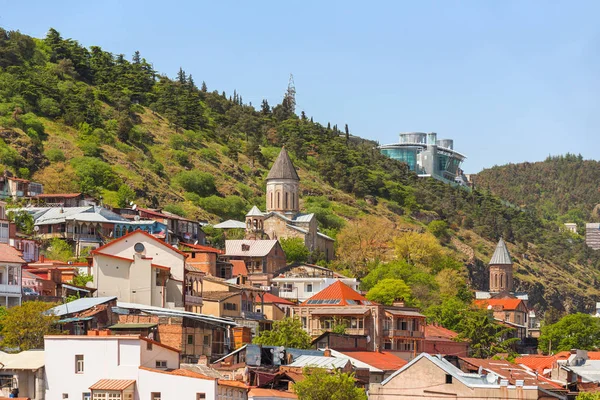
(509, 81)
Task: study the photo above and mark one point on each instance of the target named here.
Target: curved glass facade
(406, 154)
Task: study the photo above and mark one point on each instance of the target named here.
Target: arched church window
(278, 200)
(286, 200)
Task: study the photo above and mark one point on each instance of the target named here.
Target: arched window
(495, 280)
(278, 200)
(271, 200)
(286, 200)
(293, 201)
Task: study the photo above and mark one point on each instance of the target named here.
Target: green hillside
(83, 119)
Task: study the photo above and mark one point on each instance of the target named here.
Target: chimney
(327, 352)
(398, 303)
(203, 360)
(42, 258)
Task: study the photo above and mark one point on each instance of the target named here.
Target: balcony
(193, 300)
(252, 315)
(403, 333)
(10, 289)
(348, 331)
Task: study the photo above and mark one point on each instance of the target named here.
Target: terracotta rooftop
(64, 195)
(338, 294)
(512, 372)
(201, 248)
(271, 298)
(539, 363)
(270, 394)
(218, 295)
(239, 268)
(439, 332)
(507, 304)
(112, 384)
(10, 255)
(378, 359)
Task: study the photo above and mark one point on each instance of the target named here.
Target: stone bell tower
(283, 186)
(501, 269)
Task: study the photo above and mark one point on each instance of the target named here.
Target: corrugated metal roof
(283, 168)
(74, 319)
(304, 217)
(175, 313)
(256, 248)
(230, 224)
(405, 313)
(79, 305)
(501, 255)
(320, 361)
(254, 212)
(30, 360)
(112, 384)
(341, 311)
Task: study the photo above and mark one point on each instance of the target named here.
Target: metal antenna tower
(290, 95)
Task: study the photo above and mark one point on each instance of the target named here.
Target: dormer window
(245, 247)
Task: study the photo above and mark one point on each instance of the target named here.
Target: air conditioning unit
(266, 288)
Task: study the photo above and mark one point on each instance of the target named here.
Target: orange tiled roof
(439, 331)
(378, 359)
(112, 384)
(236, 384)
(507, 304)
(271, 393)
(271, 298)
(539, 363)
(205, 249)
(10, 255)
(179, 372)
(338, 291)
(239, 268)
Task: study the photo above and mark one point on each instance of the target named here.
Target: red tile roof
(338, 291)
(506, 304)
(237, 384)
(112, 384)
(179, 372)
(99, 249)
(204, 249)
(271, 394)
(378, 359)
(239, 268)
(539, 363)
(50, 195)
(271, 298)
(10, 255)
(439, 332)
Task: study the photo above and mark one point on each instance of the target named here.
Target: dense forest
(83, 119)
(561, 188)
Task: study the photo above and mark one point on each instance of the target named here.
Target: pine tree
(311, 120)
(181, 76)
(235, 96)
(136, 57)
(329, 126)
(191, 83)
(265, 109)
(303, 115)
(347, 133)
(204, 87)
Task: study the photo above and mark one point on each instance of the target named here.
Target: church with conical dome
(282, 218)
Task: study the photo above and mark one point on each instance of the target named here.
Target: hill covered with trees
(83, 119)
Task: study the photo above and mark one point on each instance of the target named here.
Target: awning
(75, 288)
(112, 384)
(132, 326)
(405, 313)
(74, 319)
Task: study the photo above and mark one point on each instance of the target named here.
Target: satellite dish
(139, 248)
(196, 242)
(281, 348)
(36, 228)
(491, 378)
(480, 370)
(134, 207)
(489, 307)
(131, 203)
(368, 339)
(137, 218)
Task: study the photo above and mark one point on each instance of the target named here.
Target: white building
(139, 268)
(23, 371)
(122, 368)
(10, 275)
(301, 281)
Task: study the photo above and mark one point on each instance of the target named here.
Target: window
(206, 340)
(65, 395)
(200, 396)
(448, 378)
(86, 396)
(303, 319)
(309, 287)
(79, 364)
(155, 396)
(149, 346)
(161, 364)
(230, 306)
(190, 339)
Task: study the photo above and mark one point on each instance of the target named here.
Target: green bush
(49, 107)
(94, 174)
(201, 183)
(55, 155)
(208, 154)
(175, 209)
(231, 207)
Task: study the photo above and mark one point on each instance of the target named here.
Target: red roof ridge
(337, 291)
(507, 304)
(133, 233)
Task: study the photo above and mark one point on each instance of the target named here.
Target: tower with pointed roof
(283, 186)
(501, 269)
(255, 221)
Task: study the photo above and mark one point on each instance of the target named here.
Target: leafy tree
(125, 195)
(59, 249)
(575, 331)
(201, 183)
(449, 313)
(176, 209)
(321, 384)
(23, 220)
(389, 290)
(438, 228)
(452, 284)
(294, 249)
(82, 279)
(24, 326)
(287, 332)
(588, 396)
(486, 336)
(420, 249)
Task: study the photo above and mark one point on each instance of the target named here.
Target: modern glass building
(426, 155)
